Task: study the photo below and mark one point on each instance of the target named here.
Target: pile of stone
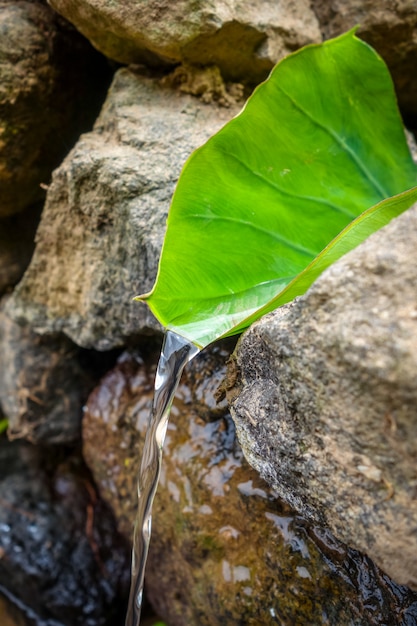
(101, 103)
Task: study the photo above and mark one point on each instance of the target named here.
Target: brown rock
(390, 27)
(42, 385)
(223, 549)
(50, 84)
(244, 40)
(325, 403)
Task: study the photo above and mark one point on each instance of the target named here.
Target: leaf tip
(142, 297)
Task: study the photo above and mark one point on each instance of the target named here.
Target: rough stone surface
(51, 81)
(42, 385)
(17, 242)
(390, 27)
(60, 552)
(325, 399)
(102, 228)
(243, 39)
(224, 550)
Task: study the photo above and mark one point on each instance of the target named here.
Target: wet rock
(224, 550)
(51, 81)
(60, 554)
(243, 40)
(390, 27)
(42, 384)
(325, 399)
(17, 242)
(103, 224)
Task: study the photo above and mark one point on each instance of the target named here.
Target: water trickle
(176, 353)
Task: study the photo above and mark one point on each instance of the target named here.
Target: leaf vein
(359, 163)
(252, 225)
(289, 193)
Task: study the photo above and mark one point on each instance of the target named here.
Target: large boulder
(324, 395)
(102, 228)
(243, 39)
(51, 83)
(224, 549)
(390, 27)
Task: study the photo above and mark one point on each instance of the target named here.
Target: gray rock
(102, 228)
(243, 39)
(50, 81)
(325, 399)
(42, 385)
(390, 27)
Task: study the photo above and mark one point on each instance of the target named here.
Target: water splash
(176, 353)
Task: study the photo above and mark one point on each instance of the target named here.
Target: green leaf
(355, 233)
(265, 205)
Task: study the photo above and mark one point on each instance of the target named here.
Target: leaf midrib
(230, 293)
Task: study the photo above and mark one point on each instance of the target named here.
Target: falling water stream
(176, 353)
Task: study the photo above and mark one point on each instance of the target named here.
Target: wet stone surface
(59, 550)
(224, 549)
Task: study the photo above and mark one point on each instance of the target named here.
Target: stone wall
(101, 103)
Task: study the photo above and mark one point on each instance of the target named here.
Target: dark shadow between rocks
(60, 552)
